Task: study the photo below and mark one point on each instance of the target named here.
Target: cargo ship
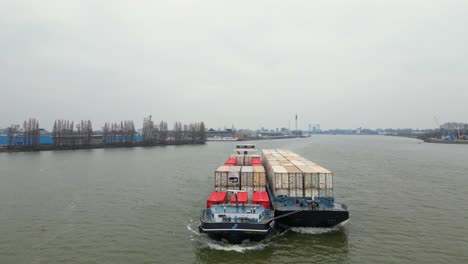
(301, 191)
(253, 194)
(239, 208)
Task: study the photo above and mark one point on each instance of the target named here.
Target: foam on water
(318, 230)
(205, 242)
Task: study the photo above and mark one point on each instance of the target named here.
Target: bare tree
(14, 133)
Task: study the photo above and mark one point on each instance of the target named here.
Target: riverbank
(9, 149)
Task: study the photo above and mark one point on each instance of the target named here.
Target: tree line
(66, 133)
(28, 135)
(193, 133)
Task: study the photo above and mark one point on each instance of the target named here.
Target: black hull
(235, 233)
(311, 218)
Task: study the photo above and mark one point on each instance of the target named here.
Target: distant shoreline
(265, 138)
(13, 149)
(441, 141)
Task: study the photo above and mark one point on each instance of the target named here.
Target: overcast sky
(343, 64)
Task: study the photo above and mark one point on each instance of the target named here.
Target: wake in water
(205, 242)
(318, 230)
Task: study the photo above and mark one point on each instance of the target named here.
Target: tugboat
(236, 222)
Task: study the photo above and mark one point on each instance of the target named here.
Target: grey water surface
(408, 203)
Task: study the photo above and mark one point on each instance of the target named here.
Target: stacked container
(221, 178)
(261, 198)
(279, 180)
(234, 177)
(247, 179)
(230, 162)
(242, 198)
(253, 179)
(296, 183)
(259, 176)
(293, 175)
(216, 198)
(243, 160)
(256, 162)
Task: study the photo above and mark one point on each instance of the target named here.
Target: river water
(408, 203)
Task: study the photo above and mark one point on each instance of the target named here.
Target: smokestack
(296, 121)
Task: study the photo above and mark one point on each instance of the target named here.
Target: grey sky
(342, 64)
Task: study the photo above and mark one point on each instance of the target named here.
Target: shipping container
(216, 198)
(309, 163)
(311, 176)
(295, 178)
(234, 176)
(244, 160)
(279, 192)
(259, 188)
(311, 192)
(329, 180)
(323, 193)
(296, 192)
(248, 189)
(247, 178)
(256, 161)
(230, 162)
(259, 176)
(274, 163)
(325, 177)
(279, 177)
(297, 163)
(242, 198)
(261, 198)
(221, 176)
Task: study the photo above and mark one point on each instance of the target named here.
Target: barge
(301, 191)
(255, 194)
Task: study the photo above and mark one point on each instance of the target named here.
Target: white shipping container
(329, 177)
(311, 176)
(234, 176)
(272, 163)
(284, 180)
(294, 177)
(296, 192)
(297, 163)
(221, 176)
(322, 181)
(324, 176)
(247, 178)
(310, 163)
(279, 177)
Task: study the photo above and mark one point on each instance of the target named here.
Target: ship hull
(235, 233)
(311, 218)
